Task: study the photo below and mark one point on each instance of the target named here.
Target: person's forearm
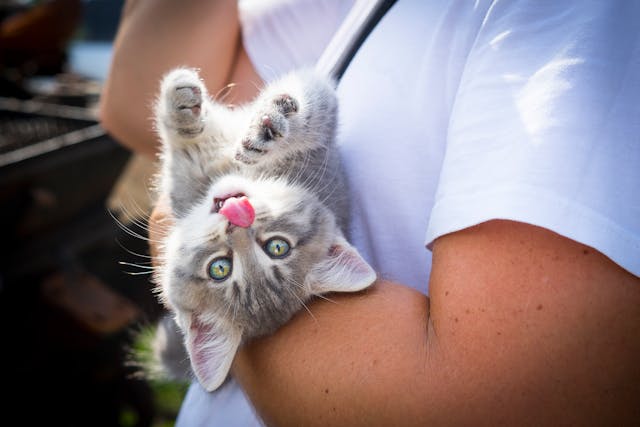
(350, 351)
(524, 327)
(155, 36)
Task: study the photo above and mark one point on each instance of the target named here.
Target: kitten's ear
(211, 350)
(343, 270)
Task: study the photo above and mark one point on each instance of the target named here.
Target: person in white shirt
(492, 149)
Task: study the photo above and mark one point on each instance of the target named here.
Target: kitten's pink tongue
(238, 211)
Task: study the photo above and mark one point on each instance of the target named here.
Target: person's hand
(197, 34)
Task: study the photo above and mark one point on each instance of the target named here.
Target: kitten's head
(229, 276)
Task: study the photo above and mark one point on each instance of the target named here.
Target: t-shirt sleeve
(281, 35)
(545, 127)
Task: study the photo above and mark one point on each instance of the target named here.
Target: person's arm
(523, 327)
(157, 35)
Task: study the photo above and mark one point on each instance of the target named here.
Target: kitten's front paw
(270, 125)
(182, 106)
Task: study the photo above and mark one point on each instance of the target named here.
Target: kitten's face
(229, 282)
(255, 275)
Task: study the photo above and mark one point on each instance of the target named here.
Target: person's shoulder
(517, 307)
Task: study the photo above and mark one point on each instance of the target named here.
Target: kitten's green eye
(277, 248)
(220, 268)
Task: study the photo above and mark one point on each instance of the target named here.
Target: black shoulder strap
(363, 32)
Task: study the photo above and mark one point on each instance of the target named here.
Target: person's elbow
(124, 126)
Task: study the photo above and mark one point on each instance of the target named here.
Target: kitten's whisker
(137, 215)
(296, 283)
(134, 211)
(256, 85)
(131, 264)
(142, 212)
(303, 304)
(132, 221)
(318, 180)
(224, 92)
(311, 180)
(132, 252)
(131, 232)
(329, 195)
(330, 182)
(301, 170)
(325, 298)
(323, 166)
(141, 224)
(227, 310)
(139, 236)
(235, 312)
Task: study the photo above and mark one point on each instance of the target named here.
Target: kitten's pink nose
(238, 211)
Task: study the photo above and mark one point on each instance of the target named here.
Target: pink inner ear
(211, 350)
(198, 338)
(343, 270)
(350, 258)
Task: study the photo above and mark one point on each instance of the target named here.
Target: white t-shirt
(456, 112)
(281, 35)
(486, 110)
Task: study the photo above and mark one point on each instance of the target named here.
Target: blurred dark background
(70, 311)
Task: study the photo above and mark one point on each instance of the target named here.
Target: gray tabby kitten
(260, 210)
